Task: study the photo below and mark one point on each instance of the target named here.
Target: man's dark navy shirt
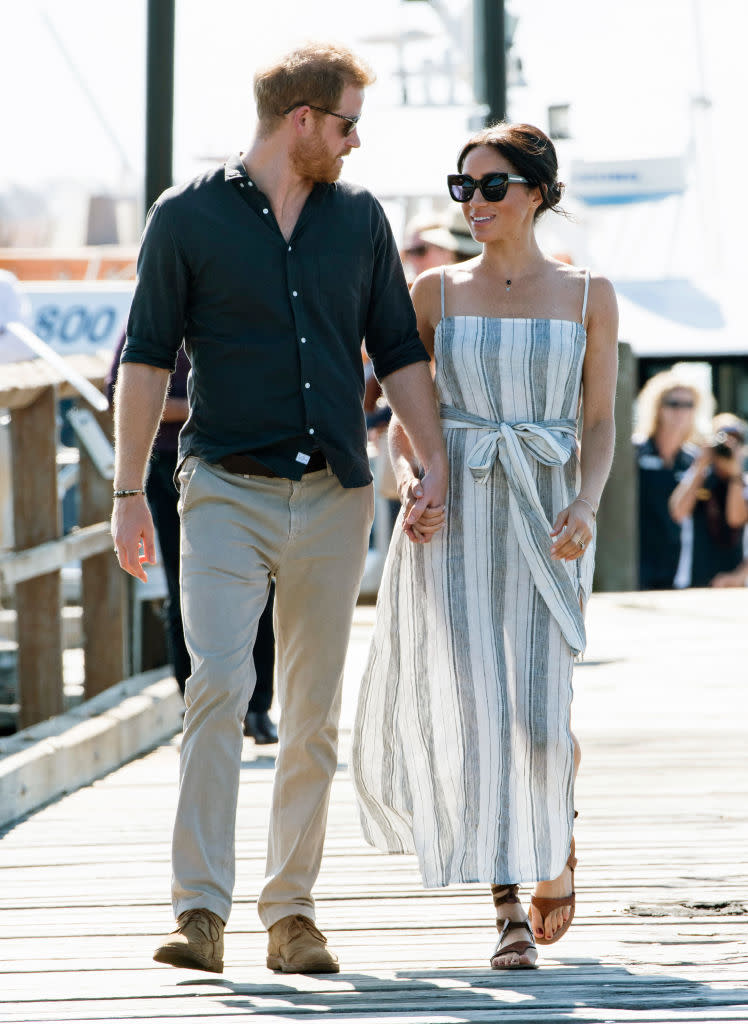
(273, 329)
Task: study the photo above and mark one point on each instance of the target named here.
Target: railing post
(104, 585)
(617, 555)
(35, 520)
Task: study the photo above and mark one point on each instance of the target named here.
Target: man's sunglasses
(350, 122)
(676, 403)
(493, 186)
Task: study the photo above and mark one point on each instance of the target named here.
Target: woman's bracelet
(128, 494)
(591, 506)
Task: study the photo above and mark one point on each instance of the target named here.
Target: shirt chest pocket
(342, 280)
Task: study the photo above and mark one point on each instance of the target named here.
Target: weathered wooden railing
(29, 391)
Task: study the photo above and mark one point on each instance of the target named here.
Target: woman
(463, 751)
(669, 407)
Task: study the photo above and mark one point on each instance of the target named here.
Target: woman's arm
(681, 502)
(599, 375)
(736, 509)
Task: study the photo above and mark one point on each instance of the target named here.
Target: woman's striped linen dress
(462, 750)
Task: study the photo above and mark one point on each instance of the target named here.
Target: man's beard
(312, 160)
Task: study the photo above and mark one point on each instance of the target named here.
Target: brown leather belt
(245, 465)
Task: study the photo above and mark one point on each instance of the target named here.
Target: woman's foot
(552, 904)
(515, 949)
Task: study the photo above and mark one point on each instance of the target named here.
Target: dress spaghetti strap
(442, 277)
(586, 294)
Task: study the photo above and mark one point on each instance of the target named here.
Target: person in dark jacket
(667, 409)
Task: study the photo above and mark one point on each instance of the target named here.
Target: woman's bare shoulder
(426, 291)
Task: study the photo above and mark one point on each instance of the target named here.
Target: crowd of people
(693, 490)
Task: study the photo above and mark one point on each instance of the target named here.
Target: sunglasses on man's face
(493, 187)
(350, 122)
(677, 403)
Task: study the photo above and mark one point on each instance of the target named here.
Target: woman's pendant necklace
(508, 283)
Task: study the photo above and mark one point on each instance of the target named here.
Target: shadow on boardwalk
(556, 993)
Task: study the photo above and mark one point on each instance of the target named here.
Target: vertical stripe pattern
(462, 752)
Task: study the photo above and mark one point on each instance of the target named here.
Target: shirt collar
(234, 170)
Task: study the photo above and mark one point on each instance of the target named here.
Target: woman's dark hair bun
(555, 191)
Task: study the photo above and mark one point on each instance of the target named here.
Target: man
(273, 273)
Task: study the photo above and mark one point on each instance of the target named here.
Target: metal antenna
(100, 116)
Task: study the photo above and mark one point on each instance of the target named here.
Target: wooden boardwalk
(662, 918)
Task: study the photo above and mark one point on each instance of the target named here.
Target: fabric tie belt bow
(552, 443)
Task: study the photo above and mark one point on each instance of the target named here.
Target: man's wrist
(436, 463)
(127, 492)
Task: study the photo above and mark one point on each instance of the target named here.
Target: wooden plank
(663, 829)
(19, 566)
(21, 384)
(35, 520)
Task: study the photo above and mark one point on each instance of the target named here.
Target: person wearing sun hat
(453, 234)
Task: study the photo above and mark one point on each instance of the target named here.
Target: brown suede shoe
(197, 942)
(296, 946)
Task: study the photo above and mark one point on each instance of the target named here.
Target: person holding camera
(714, 493)
(668, 408)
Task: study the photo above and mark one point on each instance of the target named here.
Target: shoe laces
(303, 923)
(205, 920)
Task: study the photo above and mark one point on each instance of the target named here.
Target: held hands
(573, 531)
(132, 532)
(423, 504)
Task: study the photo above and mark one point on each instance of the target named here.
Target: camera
(719, 445)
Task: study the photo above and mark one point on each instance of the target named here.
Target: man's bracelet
(127, 494)
(591, 506)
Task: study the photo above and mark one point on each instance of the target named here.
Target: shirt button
(289, 248)
(241, 184)
(250, 183)
(307, 385)
(265, 211)
(294, 294)
(303, 341)
(311, 430)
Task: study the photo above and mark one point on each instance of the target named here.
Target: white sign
(78, 316)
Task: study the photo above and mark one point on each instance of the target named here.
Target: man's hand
(132, 532)
(423, 500)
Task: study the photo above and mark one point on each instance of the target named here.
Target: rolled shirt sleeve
(156, 324)
(392, 339)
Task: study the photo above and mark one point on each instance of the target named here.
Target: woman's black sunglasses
(493, 186)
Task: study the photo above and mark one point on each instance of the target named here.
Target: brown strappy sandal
(508, 894)
(545, 904)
